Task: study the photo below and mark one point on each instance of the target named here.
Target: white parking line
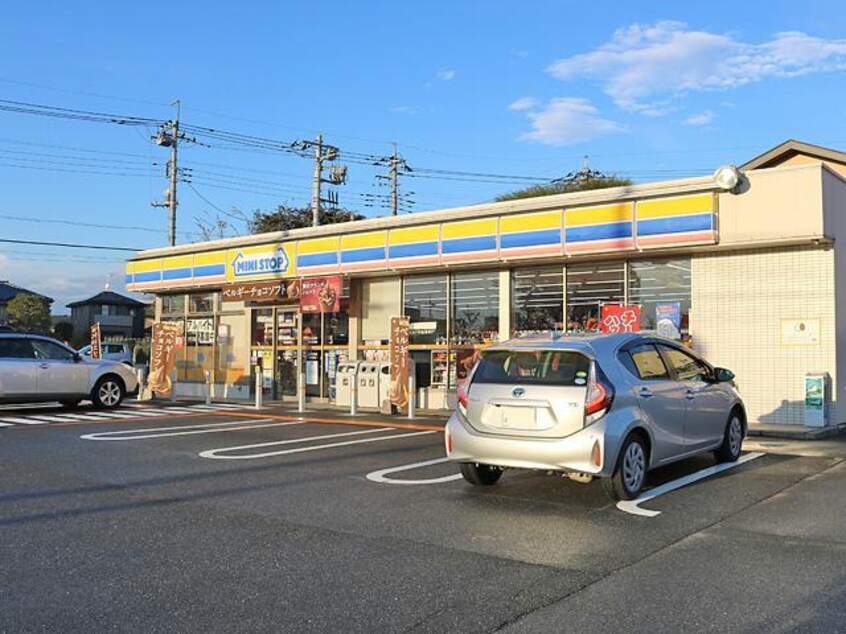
(207, 428)
(633, 506)
(52, 419)
(23, 421)
(215, 453)
(7, 424)
(379, 476)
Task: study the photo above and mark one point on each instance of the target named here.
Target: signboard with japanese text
(281, 292)
(399, 362)
(199, 331)
(162, 357)
(96, 340)
(320, 295)
(668, 319)
(615, 318)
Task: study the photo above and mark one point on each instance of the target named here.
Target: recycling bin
(347, 374)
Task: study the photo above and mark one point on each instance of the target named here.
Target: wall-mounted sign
(199, 331)
(281, 292)
(273, 260)
(320, 295)
(800, 332)
(616, 318)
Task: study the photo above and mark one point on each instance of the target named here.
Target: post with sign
(399, 357)
(96, 341)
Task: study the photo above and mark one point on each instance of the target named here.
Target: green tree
(29, 313)
(566, 186)
(285, 218)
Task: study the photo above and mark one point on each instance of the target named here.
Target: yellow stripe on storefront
(318, 245)
(210, 258)
(469, 229)
(412, 235)
(530, 222)
(620, 212)
(364, 240)
(664, 207)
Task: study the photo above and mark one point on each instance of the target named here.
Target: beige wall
(834, 200)
(779, 204)
(738, 303)
(802, 159)
(380, 300)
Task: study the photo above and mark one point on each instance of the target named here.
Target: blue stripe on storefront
(128, 279)
(372, 254)
(413, 250)
(150, 276)
(599, 232)
(530, 238)
(677, 224)
(209, 269)
(317, 259)
(176, 274)
(466, 245)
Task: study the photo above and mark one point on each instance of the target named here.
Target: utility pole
(338, 173)
(169, 136)
(396, 166)
(394, 184)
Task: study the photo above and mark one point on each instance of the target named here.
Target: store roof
(790, 149)
(9, 291)
(109, 298)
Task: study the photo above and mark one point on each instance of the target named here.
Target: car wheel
(108, 392)
(729, 451)
(630, 472)
(70, 404)
(480, 474)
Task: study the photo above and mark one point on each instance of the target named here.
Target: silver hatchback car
(607, 406)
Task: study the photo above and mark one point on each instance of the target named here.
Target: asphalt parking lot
(223, 518)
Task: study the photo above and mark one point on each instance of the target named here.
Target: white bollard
(259, 387)
(208, 387)
(173, 385)
(412, 390)
(354, 394)
(301, 393)
(139, 373)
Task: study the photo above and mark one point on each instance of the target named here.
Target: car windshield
(542, 367)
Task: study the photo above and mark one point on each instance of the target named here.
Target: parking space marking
(346, 422)
(23, 421)
(7, 424)
(216, 453)
(51, 419)
(633, 506)
(380, 476)
(185, 430)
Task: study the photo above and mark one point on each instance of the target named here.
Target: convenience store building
(753, 277)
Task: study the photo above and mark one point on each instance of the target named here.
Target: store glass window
(475, 308)
(425, 304)
(201, 302)
(262, 327)
(336, 329)
(589, 286)
(173, 304)
(537, 299)
(662, 288)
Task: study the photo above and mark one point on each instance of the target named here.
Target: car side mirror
(721, 375)
(77, 358)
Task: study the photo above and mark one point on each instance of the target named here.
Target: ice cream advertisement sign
(321, 295)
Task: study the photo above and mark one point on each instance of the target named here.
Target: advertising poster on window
(162, 356)
(668, 319)
(399, 362)
(320, 295)
(615, 318)
(96, 341)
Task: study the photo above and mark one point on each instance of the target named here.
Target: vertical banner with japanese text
(162, 356)
(616, 318)
(399, 362)
(96, 340)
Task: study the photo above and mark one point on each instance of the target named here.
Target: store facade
(750, 277)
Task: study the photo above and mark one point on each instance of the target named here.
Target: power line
(68, 245)
(76, 223)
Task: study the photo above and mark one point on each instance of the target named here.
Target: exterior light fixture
(727, 177)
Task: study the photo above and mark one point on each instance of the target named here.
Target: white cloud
(566, 121)
(446, 75)
(523, 103)
(404, 110)
(661, 61)
(700, 118)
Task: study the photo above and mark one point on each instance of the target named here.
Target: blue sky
(652, 91)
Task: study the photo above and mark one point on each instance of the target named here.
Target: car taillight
(598, 398)
(462, 399)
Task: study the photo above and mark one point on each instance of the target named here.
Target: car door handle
(645, 392)
(690, 395)
(44, 366)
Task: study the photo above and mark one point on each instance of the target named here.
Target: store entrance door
(287, 352)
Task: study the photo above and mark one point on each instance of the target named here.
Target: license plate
(518, 417)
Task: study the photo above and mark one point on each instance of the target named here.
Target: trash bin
(384, 368)
(347, 374)
(368, 384)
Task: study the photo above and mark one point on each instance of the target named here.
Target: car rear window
(540, 367)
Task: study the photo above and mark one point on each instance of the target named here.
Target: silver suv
(36, 368)
(607, 406)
